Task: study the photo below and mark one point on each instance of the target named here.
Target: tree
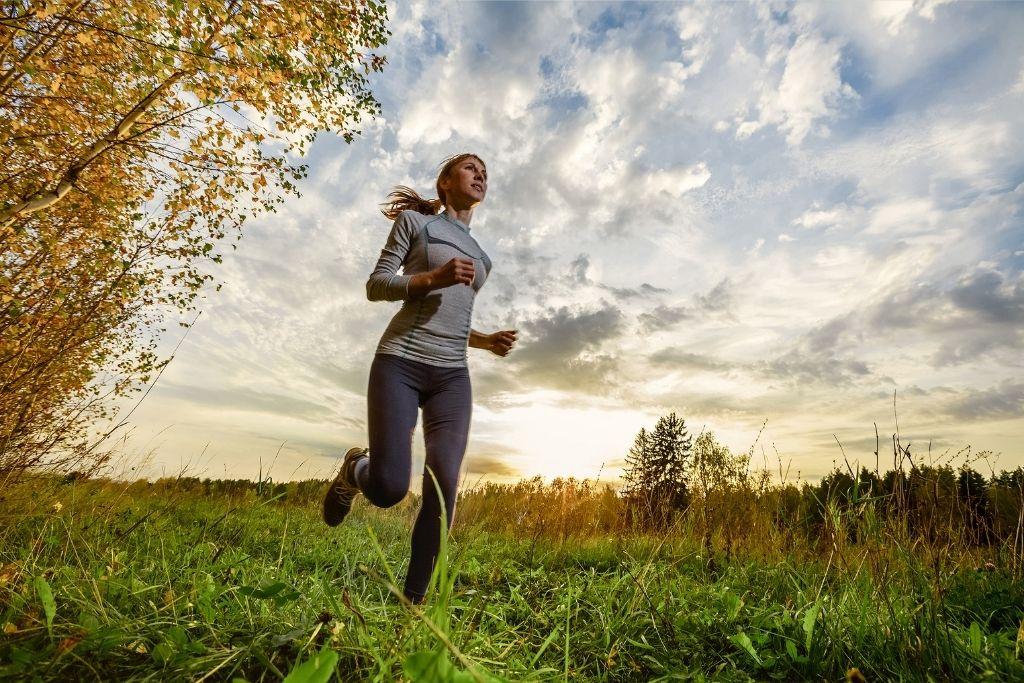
(657, 472)
(637, 474)
(134, 136)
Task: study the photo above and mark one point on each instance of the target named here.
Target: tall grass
(184, 579)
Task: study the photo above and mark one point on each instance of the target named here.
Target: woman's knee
(387, 495)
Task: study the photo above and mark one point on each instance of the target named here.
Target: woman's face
(466, 184)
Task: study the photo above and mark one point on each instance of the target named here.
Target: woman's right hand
(456, 271)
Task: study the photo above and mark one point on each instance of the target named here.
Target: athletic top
(433, 328)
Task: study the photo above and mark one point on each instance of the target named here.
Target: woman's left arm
(498, 343)
(477, 340)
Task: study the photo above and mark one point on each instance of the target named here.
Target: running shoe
(343, 490)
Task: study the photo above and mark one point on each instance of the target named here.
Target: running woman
(421, 359)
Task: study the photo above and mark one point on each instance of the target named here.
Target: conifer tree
(672, 452)
(637, 464)
(657, 471)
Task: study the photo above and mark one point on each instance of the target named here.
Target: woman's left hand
(500, 343)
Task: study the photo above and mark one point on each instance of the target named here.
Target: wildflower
(58, 506)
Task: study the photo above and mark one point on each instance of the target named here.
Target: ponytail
(404, 198)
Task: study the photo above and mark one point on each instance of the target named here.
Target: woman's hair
(402, 198)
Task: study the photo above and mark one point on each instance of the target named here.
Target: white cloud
(676, 182)
(839, 216)
(809, 91)
(893, 14)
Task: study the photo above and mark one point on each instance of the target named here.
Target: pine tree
(672, 446)
(638, 479)
(657, 471)
(637, 468)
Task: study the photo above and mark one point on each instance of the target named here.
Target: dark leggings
(398, 387)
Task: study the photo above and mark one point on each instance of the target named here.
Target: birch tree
(135, 136)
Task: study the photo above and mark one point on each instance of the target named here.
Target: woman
(420, 361)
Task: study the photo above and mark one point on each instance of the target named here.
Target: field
(177, 580)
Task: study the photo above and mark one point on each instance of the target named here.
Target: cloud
(894, 14)
(981, 313)
(717, 301)
(561, 348)
(804, 367)
(810, 90)
(719, 298)
(489, 463)
(837, 217)
(663, 317)
(1002, 402)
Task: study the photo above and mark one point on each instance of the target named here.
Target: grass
(104, 581)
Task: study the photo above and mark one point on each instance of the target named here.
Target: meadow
(182, 579)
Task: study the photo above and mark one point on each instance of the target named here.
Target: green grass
(132, 583)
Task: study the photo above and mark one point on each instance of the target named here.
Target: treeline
(696, 491)
(672, 479)
(933, 503)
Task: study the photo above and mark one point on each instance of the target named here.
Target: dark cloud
(489, 463)
(827, 337)
(578, 268)
(986, 295)
(904, 309)
(1002, 402)
(501, 289)
(560, 348)
(802, 367)
(645, 289)
(982, 313)
(718, 298)
(974, 345)
(663, 317)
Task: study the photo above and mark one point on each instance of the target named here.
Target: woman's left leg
(447, 412)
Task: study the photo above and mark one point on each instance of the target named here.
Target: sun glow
(555, 440)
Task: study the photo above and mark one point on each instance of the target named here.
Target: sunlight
(559, 441)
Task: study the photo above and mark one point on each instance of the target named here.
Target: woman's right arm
(384, 283)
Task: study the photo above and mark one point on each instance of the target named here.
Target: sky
(788, 224)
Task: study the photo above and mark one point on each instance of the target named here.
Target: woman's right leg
(392, 399)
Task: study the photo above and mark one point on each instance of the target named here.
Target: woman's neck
(463, 215)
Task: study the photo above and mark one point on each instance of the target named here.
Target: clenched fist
(500, 343)
(456, 271)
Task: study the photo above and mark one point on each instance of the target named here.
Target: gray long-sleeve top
(433, 328)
